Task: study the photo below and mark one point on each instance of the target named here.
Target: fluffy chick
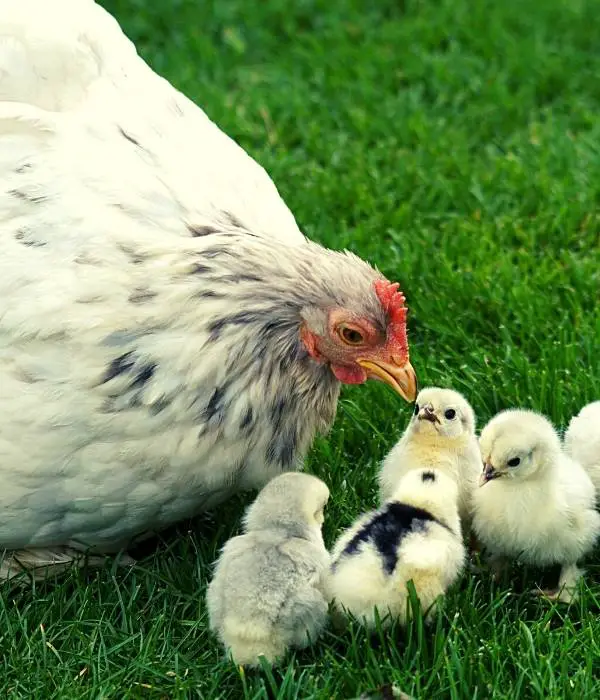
(266, 594)
(414, 536)
(441, 435)
(582, 441)
(534, 503)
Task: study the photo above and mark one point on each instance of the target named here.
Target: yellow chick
(440, 435)
(534, 503)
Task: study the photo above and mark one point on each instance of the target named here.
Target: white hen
(167, 334)
(582, 441)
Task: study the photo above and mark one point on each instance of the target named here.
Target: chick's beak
(428, 413)
(402, 378)
(489, 472)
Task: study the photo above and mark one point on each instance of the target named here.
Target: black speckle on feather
(144, 374)
(277, 411)
(23, 237)
(214, 410)
(209, 294)
(216, 251)
(282, 447)
(134, 257)
(23, 168)
(200, 269)
(26, 197)
(158, 406)
(427, 476)
(241, 318)
(119, 366)
(215, 328)
(198, 231)
(141, 296)
(247, 421)
(129, 137)
(386, 530)
(233, 221)
(236, 279)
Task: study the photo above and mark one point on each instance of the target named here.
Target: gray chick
(266, 594)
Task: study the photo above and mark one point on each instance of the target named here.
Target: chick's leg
(566, 591)
(499, 566)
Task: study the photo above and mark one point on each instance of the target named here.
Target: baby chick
(416, 535)
(441, 435)
(266, 593)
(534, 503)
(582, 441)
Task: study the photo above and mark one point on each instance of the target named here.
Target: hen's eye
(351, 336)
(450, 413)
(417, 409)
(514, 462)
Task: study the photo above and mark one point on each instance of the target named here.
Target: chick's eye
(417, 409)
(351, 336)
(514, 462)
(450, 413)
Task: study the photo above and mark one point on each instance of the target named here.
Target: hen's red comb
(392, 302)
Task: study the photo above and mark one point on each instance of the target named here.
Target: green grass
(455, 144)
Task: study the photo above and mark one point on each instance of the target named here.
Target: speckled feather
(152, 282)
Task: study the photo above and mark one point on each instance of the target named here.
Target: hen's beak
(489, 472)
(401, 378)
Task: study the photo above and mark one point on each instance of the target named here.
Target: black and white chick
(582, 441)
(440, 434)
(266, 594)
(534, 504)
(414, 536)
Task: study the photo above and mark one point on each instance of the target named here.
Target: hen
(167, 334)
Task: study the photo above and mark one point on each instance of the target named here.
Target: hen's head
(367, 341)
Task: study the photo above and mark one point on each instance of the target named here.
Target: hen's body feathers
(152, 283)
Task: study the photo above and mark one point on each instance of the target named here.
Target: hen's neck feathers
(219, 339)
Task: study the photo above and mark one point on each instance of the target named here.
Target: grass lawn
(455, 144)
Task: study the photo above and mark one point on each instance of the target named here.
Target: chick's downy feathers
(582, 441)
(415, 536)
(167, 334)
(534, 503)
(266, 594)
(440, 434)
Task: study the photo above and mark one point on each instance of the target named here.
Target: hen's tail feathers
(39, 563)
